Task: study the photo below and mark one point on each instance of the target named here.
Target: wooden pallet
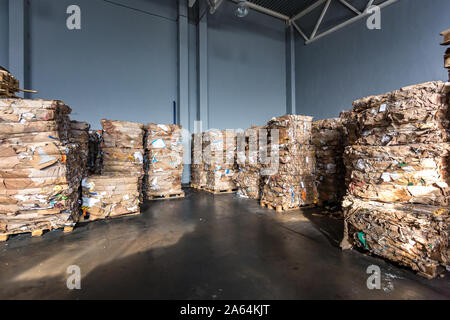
(269, 205)
(225, 191)
(170, 196)
(83, 220)
(192, 185)
(35, 233)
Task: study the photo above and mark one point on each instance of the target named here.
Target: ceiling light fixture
(242, 9)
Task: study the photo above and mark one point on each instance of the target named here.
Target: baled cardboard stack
(219, 154)
(40, 170)
(328, 138)
(397, 174)
(248, 179)
(123, 148)
(292, 184)
(198, 172)
(110, 196)
(165, 154)
(118, 190)
(8, 84)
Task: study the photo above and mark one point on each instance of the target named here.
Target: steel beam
(203, 66)
(346, 23)
(290, 71)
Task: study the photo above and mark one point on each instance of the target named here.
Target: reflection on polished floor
(204, 247)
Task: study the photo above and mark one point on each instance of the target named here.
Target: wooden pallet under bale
(270, 206)
(84, 220)
(225, 191)
(169, 196)
(194, 186)
(34, 233)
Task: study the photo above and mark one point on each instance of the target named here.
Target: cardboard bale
(397, 176)
(108, 196)
(290, 184)
(41, 166)
(8, 84)
(122, 148)
(328, 137)
(412, 235)
(165, 157)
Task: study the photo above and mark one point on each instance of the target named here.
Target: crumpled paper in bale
(198, 171)
(291, 183)
(122, 134)
(122, 148)
(397, 176)
(220, 179)
(417, 114)
(288, 191)
(164, 164)
(413, 235)
(40, 169)
(8, 84)
(410, 173)
(106, 196)
(248, 179)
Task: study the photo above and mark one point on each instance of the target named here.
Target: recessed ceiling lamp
(242, 9)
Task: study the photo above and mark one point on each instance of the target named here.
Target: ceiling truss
(315, 35)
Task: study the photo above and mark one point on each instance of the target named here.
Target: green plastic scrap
(362, 239)
(402, 164)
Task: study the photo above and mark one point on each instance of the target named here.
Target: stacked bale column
(198, 172)
(248, 179)
(219, 154)
(165, 154)
(118, 190)
(40, 170)
(292, 183)
(328, 138)
(397, 174)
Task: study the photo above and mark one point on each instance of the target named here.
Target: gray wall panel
(355, 61)
(121, 65)
(246, 69)
(4, 29)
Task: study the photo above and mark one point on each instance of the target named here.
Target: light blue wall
(355, 62)
(121, 65)
(246, 69)
(4, 29)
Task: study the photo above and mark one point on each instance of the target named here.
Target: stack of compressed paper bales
(291, 183)
(8, 84)
(328, 138)
(165, 153)
(110, 196)
(118, 190)
(397, 169)
(198, 172)
(123, 148)
(248, 179)
(40, 170)
(219, 155)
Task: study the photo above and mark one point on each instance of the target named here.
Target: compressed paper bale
(248, 182)
(161, 136)
(165, 155)
(122, 134)
(410, 234)
(108, 196)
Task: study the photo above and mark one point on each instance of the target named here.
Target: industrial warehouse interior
(225, 150)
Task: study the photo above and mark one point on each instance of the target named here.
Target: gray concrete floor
(204, 247)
